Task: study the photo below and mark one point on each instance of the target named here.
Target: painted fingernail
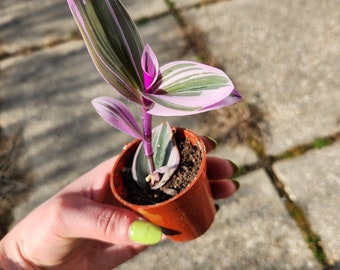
(144, 232)
(236, 183)
(212, 141)
(235, 167)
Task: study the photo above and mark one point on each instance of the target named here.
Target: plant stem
(147, 142)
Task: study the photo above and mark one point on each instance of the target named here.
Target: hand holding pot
(81, 227)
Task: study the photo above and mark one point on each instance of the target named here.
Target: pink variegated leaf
(234, 97)
(160, 110)
(150, 67)
(113, 42)
(117, 115)
(186, 87)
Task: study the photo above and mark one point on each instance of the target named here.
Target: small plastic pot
(183, 217)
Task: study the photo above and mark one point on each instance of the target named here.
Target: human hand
(82, 227)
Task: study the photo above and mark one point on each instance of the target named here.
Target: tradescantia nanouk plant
(176, 89)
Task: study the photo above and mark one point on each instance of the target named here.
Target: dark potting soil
(190, 163)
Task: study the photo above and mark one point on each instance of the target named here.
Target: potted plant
(162, 174)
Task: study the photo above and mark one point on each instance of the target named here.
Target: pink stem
(147, 142)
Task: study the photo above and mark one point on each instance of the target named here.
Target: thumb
(80, 217)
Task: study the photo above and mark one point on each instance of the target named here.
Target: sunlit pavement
(283, 57)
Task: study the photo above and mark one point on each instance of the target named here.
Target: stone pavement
(283, 57)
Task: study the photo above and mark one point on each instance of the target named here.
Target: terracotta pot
(183, 217)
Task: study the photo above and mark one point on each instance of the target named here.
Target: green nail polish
(236, 183)
(145, 233)
(235, 167)
(213, 142)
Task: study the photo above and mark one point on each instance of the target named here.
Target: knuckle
(109, 223)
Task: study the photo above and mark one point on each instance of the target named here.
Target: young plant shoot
(176, 89)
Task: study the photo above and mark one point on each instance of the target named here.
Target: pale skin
(82, 227)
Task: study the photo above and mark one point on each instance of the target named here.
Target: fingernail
(236, 183)
(235, 167)
(217, 207)
(212, 141)
(144, 232)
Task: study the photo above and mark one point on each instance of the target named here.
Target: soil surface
(191, 158)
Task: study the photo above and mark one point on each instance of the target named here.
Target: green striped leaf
(186, 87)
(113, 42)
(166, 158)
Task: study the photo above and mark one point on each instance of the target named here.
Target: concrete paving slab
(26, 24)
(283, 56)
(47, 96)
(314, 181)
(240, 154)
(182, 4)
(166, 40)
(32, 23)
(140, 10)
(252, 230)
